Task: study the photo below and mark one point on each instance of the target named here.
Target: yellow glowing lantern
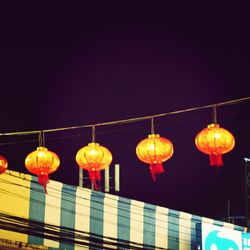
(155, 150)
(94, 158)
(42, 162)
(3, 164)
(215, 141)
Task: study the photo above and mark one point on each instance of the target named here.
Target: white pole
(117, 177)
(106, 177)
(80, 177)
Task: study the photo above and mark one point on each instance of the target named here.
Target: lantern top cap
(153, 136)
(93, 144)
(213, 125)
(41, 149)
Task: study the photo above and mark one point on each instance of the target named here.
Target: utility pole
(247, 190)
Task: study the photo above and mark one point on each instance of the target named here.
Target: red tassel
(2, 170)
(43, 179)
(216, 160)
(94, 176)
(156, 169)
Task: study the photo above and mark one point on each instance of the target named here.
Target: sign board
(221, 238)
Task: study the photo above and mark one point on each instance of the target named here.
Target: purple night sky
(69, 65)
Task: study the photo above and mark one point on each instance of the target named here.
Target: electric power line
(126, 121)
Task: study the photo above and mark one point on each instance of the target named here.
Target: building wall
(71, 217)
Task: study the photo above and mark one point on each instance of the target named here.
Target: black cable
(131, 120)
(94, 218)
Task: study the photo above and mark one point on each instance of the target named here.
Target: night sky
(66, 65)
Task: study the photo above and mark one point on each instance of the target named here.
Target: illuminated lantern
(3, 164)
(94, 158)
(42, 162)
(215, 141)
(154, 150)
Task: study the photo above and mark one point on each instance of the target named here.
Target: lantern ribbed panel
(154, 149)
(93, 157)
(3, 164)
(42, 161)
(214, 140)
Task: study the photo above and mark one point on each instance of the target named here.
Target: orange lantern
(154, 150)
(215, 141)
(3, 164)
(42, 162)
(94, 158)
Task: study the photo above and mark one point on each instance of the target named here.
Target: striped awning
(71, 217)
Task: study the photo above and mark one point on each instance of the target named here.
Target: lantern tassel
(43, 179)
(2, 170)
(215, 160)
(95, 176)
(156, 169)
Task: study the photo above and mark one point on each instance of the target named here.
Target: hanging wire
(40, 143)
(214, 114)
(93, 133)
(131, 120)
(41, 139)
(152, 125)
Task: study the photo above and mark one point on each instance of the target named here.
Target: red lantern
(3, 164)
(42, 162)
(215, 141)
(154, 150)
(94, 158)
